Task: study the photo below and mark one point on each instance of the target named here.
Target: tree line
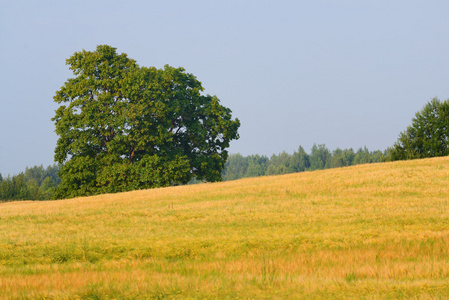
(320, 157)
(39, 183)
(36, 183)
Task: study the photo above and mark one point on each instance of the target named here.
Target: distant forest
(36, 183)
(39, 183)
(320, 157)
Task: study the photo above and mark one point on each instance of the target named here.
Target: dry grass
(370, 231)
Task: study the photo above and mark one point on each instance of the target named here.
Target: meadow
(368, 231)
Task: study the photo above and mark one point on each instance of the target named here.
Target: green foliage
(300, 160)
(279, 164)
(235, 167)
(47, 188)
(36, 173)
(338, 159)
(123, 127)
(364, 156)
(35, 183)
(320, 157)
(257, 166)
(16, 188)
(428, 136)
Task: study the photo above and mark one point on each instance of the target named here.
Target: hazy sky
(344, 73)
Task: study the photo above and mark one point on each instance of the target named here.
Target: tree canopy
(124, 127)
(427, 136)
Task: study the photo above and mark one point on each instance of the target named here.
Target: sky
(344, 73)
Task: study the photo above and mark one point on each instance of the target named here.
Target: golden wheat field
(369, 231)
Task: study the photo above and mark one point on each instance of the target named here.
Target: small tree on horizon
(427, 136)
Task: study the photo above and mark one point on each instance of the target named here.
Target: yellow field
(369, 231)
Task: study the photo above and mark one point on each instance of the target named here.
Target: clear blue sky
(345, 73)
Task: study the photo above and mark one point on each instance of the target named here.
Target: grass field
(369, 231)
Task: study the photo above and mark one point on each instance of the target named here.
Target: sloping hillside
(379, 230)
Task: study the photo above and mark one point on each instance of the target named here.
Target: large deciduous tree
(428, 136)
(124, 127)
